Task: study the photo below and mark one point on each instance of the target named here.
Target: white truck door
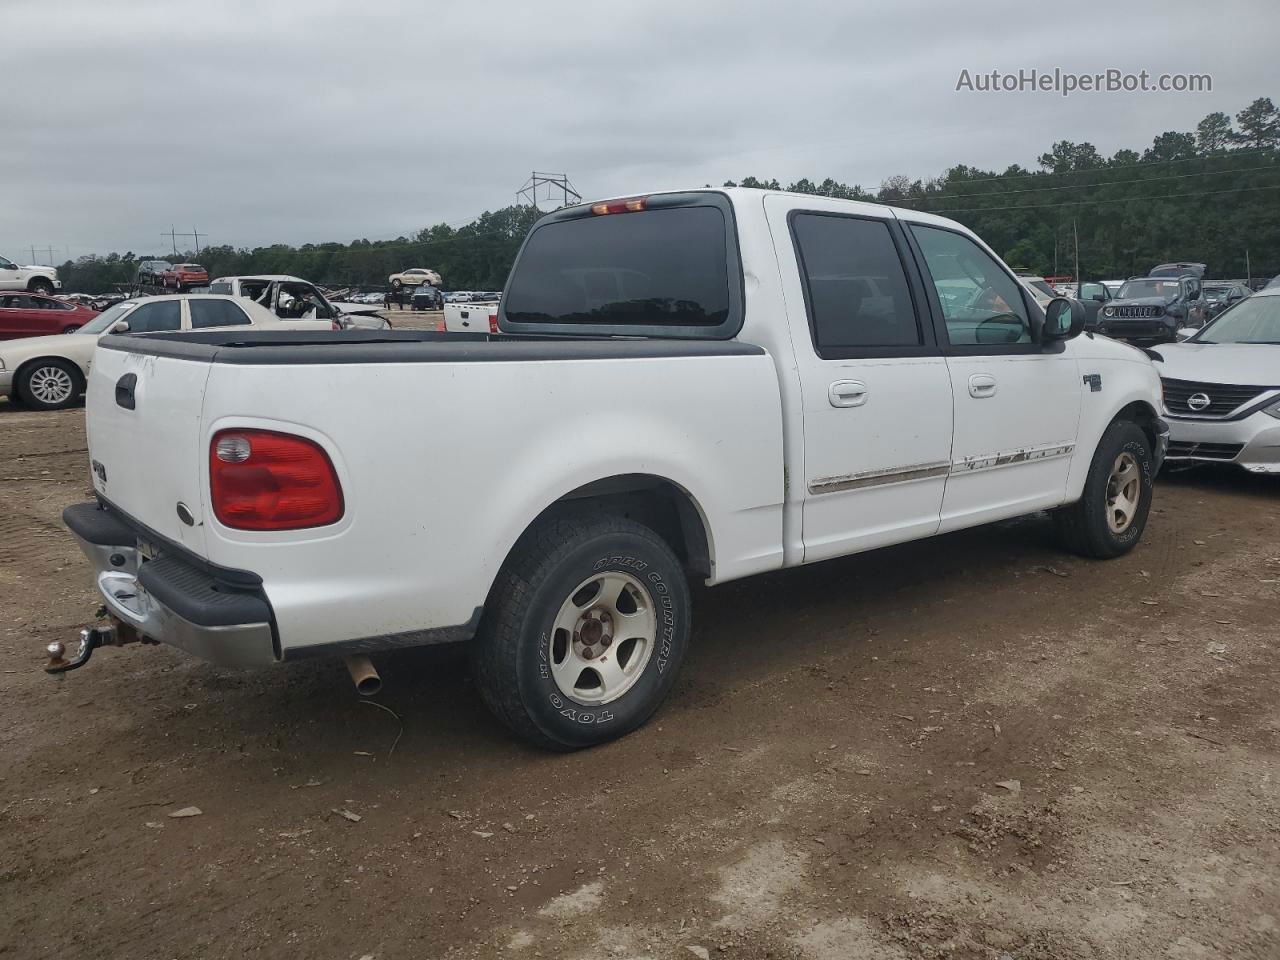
(1017, 405)
(876, 391)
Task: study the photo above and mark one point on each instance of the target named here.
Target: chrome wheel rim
(602, 638)
(1124, 493)
(51, 384)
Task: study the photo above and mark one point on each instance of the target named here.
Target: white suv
(36, 279)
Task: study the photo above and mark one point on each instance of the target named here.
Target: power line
(1130, 199)
(1110, 166)
(1079, 186)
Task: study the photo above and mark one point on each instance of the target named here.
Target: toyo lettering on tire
(1108, 520)
(583, 631)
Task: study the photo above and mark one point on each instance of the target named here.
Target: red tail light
(493, 322)
(634, 205)
(262, 480)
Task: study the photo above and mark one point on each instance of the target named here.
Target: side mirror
(120, 326)
(1185, 333)
(1100, 297)
(1063, 319)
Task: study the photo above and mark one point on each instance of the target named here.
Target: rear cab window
(665, 265)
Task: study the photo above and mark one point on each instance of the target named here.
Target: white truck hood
(1252, 364)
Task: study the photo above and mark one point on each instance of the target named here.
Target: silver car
(1222, 388)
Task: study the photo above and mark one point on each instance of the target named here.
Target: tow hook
(91, 638)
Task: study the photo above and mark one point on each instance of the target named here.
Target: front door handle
(982, 385)
(847, 393)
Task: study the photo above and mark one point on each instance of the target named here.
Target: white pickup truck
(708, 384)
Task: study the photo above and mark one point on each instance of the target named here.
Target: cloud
(297, 121)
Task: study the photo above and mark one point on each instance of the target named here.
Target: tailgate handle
(124, 391)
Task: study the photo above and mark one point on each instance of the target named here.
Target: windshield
(1136, 289)
(1216, 291)
(1256, 320)
(103, 321)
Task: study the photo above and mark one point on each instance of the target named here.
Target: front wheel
(396, 284)
(584, 630)
(1108, 520)
(42, 287)
(50, 384)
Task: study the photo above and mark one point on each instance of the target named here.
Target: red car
(184, 276)
(33, 315)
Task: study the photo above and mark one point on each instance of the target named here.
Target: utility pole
(173, 238)
(1076, 234)
(33, 253)
(1248, 269)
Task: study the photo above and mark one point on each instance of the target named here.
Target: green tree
(1214, 133)
(1259, 125)
(1171, 145)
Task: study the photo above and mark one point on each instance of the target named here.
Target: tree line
(1211, 194)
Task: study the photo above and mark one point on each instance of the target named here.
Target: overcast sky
(305, 120)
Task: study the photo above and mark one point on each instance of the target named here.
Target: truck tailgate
(143, 420)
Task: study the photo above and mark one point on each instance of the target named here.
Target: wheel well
(658, 503)
(1143, 415)
(38, 281)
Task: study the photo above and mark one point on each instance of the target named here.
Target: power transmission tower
(553, 182)
(173, 236)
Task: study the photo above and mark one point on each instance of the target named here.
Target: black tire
(29, 393)
(41, 286)
(396, 284)
(516, 648)
(1084, 526)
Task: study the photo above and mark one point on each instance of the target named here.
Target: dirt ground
(970, 747)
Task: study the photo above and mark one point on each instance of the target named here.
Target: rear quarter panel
(444, 465)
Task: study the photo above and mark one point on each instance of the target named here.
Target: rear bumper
(1252, 443)
(166, 597)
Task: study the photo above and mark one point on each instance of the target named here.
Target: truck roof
(741, 195)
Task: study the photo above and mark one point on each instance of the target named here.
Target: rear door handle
(982, 385)
(847, 393)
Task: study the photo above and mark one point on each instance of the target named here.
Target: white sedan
(1222, 388)
(49, 373)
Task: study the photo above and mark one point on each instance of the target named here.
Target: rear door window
(668, 271)
(150, 317)
(215, 313)
(855, 285)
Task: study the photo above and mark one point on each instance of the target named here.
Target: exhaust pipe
(363, 675)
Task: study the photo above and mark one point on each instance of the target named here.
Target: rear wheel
(71, 329)
(584, 631)
(1110, 517)
(50, 384)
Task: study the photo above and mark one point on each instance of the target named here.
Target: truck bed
(447, 447)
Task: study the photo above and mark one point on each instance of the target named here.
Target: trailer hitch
(91, 638)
